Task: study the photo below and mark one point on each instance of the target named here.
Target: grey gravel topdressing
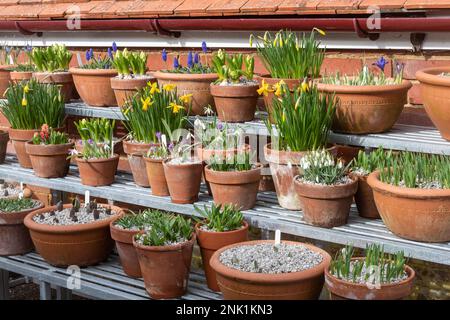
(65, 217)
(270, 259)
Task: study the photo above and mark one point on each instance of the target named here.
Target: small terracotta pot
(4, 138)
(165, 269)
(189, 83)
(82, 244)
(156, 177)
(94, 86)
(183, 181)
(5, 77)
(364, 198)
(19, 138)
(414, 214)
(135, 152)
(14, 236)
(367, 109)
(235, 103)
(125, 89)
(238, 188)
(345, 153)
(126, 250)
(326, 206)
(62, 79)
(239, 285)
(19, 76)
(49, 161)
(98, 172)
(210, 242)
(435, 90)
(344, 290)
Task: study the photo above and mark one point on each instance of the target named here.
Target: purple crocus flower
(90, 141)
(196, 58)
(176, 64)
(171, 146)
(204, 47)
(220, 125)
(190, 60)
(28, 48)
(381, 63)
(158, 135)
(110, 53)
(114, 46)
(164, 55)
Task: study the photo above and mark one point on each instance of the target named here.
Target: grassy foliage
(233, 67)
(15, 205)
(99, 130)
(165, 230)
(235, 162)
(220, 219)
(366, 163)
(49, 136)
(139, 221)
(321, 167)
(51, 59)
(130, 63)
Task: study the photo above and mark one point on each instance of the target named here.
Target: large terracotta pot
(183, 181)
(5, 77)
(195, 84)
(165, 269)
(98, 172)
(326, 206)
(61, 79)
(209, 242)
(125, 89)
(435, 91)
(4, 138)
(367, 109)
(81, 244)
(414, 214)
(19, 138)
(238, 188)
(49, 161)
(235, 103)
(19, 76)
(344, 290)
(94, 86)
(14, 236)
(239, 285)
(364, 198)
(125, 249)
(135, 152)
(156, 177)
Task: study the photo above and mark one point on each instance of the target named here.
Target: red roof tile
(194, 6)
(382, 4)
(261, 5)
(226, 6)
(427, 4)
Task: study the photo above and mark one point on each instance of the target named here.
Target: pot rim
(270, 153)
(116, 156)
(93, 72)
(148, 159)
(375, 183)
(34, 146)
(39, 205)
(320, 186)
(120, 230)
(49, 72)
(404, 86)
(270, 278)
(173, 247)
(199, 224)
(200, 77)
(193, 163)
(63, 229)
(429, 76)
(242, 175)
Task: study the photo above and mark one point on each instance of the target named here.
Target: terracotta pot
(135, 152)
(125, 249)
(98, 172)
(94, 86)
(364, 198)
(345, 153)
(367, 109)
(435, 92)
(49, 161)
(235, 103)
(165, 268)
(183, 181)
(234, 187)
(19, 76)
(4, 138)
(209, 242)
(344, 290)
(414, 214)
(268, 100)
(19, 138)
(239, 285)
(195, 84)
(62, 79)
(5, 77)
(326, 206)
(156, 177)
(14, 236)
(125, 89)
(81, 244)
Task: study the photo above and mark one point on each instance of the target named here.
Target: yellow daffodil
(24, 102)
(250, 40)
(153, 87)
(26, 89)
(175, 107)
(264, 89)
(319, 31)
(279, 89)
(304, 86)
(169, 87)
(186, 98)
(146, 103)
(126, 111)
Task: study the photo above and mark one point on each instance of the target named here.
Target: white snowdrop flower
(289, 164)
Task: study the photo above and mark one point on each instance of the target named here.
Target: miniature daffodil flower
(175, 107)
(186, 98)
(319, 31)
(24, 102)
(279, 90)
(250, 41)
(154, 87)
(146, 103)
(304, 86)
(169, 87)
(264, 89)
(26, 89)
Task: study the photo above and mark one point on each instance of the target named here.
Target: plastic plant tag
(21, 191)
(87, 197)
(163, 140)
(277, 237)
(11, 60)
(80, 62)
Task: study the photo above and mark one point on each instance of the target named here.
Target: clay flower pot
(156, 177)
(435, 90)
(364, 198)
(61, 79)
(19, 76)
(94, 86)
(238, 188)
(345, 290)
(210, 241)
(135, 152)
(326, 206)
(165, 269)
(14, 236)
(414, 214)
(235, 103)
(240, 285)
(125, 249)
(4, 138)
(367, 109)
(98, 172)
(188, 83)
(183, 180)
(49, 161)
(80, 244)
(19, 138)
(5, 77)
(124, 89)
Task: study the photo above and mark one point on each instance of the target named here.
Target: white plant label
(87, 197)
(80, 62)
(277, 237)
(163, 140)
(11, 60)
(21, 191)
